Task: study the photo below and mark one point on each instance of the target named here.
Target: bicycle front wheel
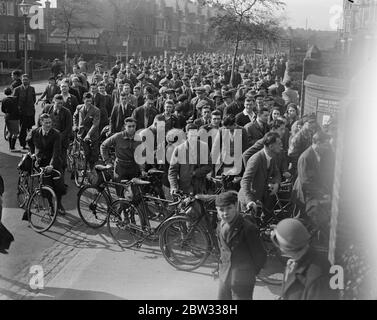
(125, 224)
(42, 209)
(92, 205)
(185, 245)
(79, 169)
(22, 191)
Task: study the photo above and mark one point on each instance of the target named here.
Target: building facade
(12, 34)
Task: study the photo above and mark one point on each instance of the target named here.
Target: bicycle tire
(94, 214)
(23, 194)
(49, 216)
(80, 169)
(192, 241)
(70, 161)
(128, 229)
(6, 133)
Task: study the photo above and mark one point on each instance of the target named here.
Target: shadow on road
(53, 293)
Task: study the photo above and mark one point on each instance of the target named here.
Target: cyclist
(86, 121)
(51, 90)
(45, 143)
(125, 144)
(61, 121)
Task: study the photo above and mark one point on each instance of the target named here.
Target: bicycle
(6, 133)
(76, 162)
(130, 222)
(186, 241)
(42, 207)
(93, 200)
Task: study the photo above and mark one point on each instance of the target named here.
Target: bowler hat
(291, 234)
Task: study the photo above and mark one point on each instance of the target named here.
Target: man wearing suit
(189, 164)
(120, 113)
(261, 173)
(277, 126)
(62, 121)
(86, 121)
(77, 89)
(45, 143)
(145, 114)
(69, 100)
(257, 129)
(25, 96)
(99, 101)
(247, 115)
(242, 255)
(310, 192)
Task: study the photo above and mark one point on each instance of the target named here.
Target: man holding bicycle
(86, 121)
(45, 144)
(125, 144)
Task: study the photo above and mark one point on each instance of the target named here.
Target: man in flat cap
(242, 255)
(200, 96)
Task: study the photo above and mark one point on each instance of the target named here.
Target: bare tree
(74, 15)
(244, 20)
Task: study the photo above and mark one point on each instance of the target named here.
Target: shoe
(3, 251)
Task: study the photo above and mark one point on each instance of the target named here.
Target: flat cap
(226, 198)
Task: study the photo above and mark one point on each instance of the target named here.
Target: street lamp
(25, 8)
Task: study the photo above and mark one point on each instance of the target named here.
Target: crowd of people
(249, 120)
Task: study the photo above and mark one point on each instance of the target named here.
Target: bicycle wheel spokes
(124, 224)
(22, 191)
(42, 209)
(80, 169)
(184, 245)
(92, 206)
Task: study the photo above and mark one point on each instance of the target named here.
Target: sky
(316, 11)
(297, 11)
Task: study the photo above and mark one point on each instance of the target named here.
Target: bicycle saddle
(205, 197)
(154, 171)
(100, 167)
(139, 181)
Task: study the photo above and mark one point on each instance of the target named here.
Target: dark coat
(139, 114)
(118, 115)
(71, 103)
(232, 110)
(47, 149)
(78, 92)
(61, 122)
(10, 107)
(310, 279)
(185, 176)
(242, 119)
(255, 131)
(309, 183)
(26, 99)
(50, 92)
(242, 255)
(256, 178)
(170, 123)
(100, 102)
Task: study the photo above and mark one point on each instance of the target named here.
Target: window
(11, 42)
(30, 42)
(6, 8)
(3, 42)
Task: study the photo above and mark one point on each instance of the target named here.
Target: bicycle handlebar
(43, 172)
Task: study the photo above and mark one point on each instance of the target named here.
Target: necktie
(291, 265)
(146, 118)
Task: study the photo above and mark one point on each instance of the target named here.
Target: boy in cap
(307, 274)
(241, 251)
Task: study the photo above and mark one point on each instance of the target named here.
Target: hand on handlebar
(49, 169)
(251, 205)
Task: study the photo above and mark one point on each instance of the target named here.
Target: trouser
(233, 291)
(58, 186)
(91, 153)
(27, 123)
(125, 171)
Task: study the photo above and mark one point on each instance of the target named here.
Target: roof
(91, 33)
